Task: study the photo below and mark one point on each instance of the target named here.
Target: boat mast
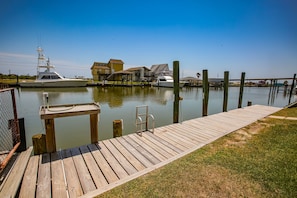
(40, 59)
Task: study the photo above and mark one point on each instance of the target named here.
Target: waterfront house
(160, 69)
(140, 74)
(102, 71)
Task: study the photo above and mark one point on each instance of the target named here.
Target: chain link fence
(9, 126)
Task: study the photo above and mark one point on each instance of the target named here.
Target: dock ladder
(142, 119)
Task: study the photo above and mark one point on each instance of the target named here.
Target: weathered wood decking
(92, 169)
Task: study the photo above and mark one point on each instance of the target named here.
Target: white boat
(167, 81)
(50, 78)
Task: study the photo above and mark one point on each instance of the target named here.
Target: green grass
(257, 161)
(290, 112)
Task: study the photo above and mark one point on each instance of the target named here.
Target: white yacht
(167, 81)
(50, 78)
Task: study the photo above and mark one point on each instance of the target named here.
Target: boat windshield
(50, 77)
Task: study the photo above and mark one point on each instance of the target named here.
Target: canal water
(120, 103)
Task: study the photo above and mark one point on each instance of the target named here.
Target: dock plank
(165, 147)
(150, 144)
(11, 185)
(147, 147)
(121, 159)
(135, 152)
(73, 183)
(29, 182)
(59, 188)
(82, 170)
(175, 137)
(103, 164)
(134, 161)
(164, 142)
(94, 169)
(44, 177)
(115, 165)
(141, 150)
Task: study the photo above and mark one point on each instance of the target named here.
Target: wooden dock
(92, 169)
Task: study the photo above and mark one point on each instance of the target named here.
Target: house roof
(137, 68)
(118, 61)
(159, 68)
(98, 64)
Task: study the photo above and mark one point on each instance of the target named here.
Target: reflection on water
(120, 103)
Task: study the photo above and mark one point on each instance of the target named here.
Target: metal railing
(143, 118)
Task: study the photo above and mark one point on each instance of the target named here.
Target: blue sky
(258, 37)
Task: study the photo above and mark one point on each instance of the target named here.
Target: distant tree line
(15, 76)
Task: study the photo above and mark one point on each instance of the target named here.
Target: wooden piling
(117, 128)
(226, 86)
(39, 144)
(292, 88)
(50, 135)
(241, 89)
(94, 127)
(205, 93)
(176, 91)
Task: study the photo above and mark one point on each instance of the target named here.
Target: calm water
(120, 103)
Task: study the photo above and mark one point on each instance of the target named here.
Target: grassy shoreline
(256, 161)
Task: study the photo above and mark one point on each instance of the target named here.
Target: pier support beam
(226, 86)
(94, 127)
(176, 91)
(241, 89)
(292, 88)
(205, 93)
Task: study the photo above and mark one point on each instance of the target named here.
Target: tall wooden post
(176, 91)
(50, 135)
(241, 89)
(292, 87)
(205, 93)
(226, 86)
(94, 127)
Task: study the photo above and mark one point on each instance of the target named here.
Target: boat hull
(55, 83)
(167, 84)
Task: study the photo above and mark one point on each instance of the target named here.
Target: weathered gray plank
(28, 187)
(120, 158)
(135, 152)
(116, 166)
(103, 164)
(94, 169)
(59, 188)
(11, 185)
(133, 160)
(141, 150)
(82, 170)
(164, 142)
(73, 183)
(44, 177)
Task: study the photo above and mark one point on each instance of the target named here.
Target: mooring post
(94, 127)
(205, 93)
(241, 89)
(292, 87)
(176, 91)
(226, 86)
(39, 144)
(50, 135)
(117, 128)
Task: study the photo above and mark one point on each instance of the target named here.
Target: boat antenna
(40, 59)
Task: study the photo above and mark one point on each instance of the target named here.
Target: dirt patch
(241, 136)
